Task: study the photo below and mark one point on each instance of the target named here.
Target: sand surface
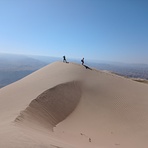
(65, 105)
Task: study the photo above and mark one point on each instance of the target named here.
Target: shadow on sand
(87, 67)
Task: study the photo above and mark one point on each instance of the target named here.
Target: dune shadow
(52, 106)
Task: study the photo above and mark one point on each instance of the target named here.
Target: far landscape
(14, 67)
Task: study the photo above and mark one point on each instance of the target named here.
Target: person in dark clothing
(82, 61)
(64, 59)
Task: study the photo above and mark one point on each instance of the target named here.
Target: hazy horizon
(71, 58)
(16, 66)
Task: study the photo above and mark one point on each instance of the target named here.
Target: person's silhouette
(64, 59)
(82, 61)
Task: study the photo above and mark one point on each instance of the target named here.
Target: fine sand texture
(66, 105)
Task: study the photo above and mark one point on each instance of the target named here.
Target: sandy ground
(65, 105)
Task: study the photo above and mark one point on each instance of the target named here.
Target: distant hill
(19, 62)
(127, 70)
(14, 67)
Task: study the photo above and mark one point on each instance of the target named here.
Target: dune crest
(52, 106)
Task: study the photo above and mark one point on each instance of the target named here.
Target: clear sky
(109, 30)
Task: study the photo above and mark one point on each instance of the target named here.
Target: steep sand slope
(52, 106)
(68, 106)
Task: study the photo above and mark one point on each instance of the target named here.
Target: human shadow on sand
(87, 67)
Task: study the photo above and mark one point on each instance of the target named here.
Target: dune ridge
(52, 106)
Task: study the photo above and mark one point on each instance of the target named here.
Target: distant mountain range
(14, 67)
(126, 70)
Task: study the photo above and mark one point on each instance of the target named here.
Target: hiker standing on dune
(82, 61)
(64, 59)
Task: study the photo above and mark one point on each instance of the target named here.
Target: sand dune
(68, 106)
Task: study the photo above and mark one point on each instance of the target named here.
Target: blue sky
(109, 30)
